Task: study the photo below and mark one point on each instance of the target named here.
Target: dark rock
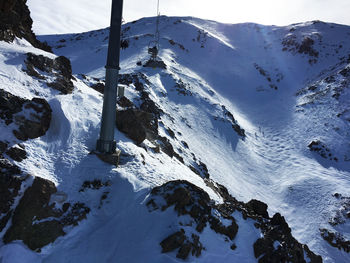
(240, 131)
(279, 220)
(9, 105)
(59, 68)
(30, 219)
(184, 244)
(258, 208)
(197, 246)
(149, 106)
(290, 43)
(10, 184)
(184, 251)
(306, 47)
(31, 125)
(335, 240)
(17, 153)
(233, 246)
(124, 43)
(201, 169)
(95, 184)
(100, 87)
(320, 148)
(34, 205)
(155, 64)
(3, 145)
(110, 158)
(183, 88)
(345, 72)
(261, 246)
(229, 231)
(77, 213)
(37, 124)
(170, 132)
(124, 102)
(137, 124)
(188, 199)
(165, 145)
(173, 241)
(15, 21)
(8, 169)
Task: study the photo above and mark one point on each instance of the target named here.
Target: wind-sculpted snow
(236, 106)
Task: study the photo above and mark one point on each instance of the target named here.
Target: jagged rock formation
(10, 183)
(59, 69)
(15, 21)
(188, 199)
(320, 148)
(32, 117)
(37, 222)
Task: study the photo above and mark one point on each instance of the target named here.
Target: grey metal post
(106, 142)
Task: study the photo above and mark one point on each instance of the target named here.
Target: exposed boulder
(9, 105)
(320, 148)
(3, 147)
(185, 245)
(37, 123)
(258, 207)
(95, 185)
(238, 129)
(15, 21)
(137, 124)
(10, 184)
(124, 102)
(17, 153)
(32, 117)
(155, 64)
(36, 221)
(59, 68)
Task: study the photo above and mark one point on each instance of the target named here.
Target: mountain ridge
(201, 96)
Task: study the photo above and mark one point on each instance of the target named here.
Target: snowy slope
(259, 75)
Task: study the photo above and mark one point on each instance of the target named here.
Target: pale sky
(68, 16)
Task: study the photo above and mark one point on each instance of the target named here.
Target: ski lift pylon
(153, 46)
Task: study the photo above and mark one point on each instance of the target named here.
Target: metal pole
(106, 142)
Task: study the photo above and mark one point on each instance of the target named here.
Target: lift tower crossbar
(106, 142)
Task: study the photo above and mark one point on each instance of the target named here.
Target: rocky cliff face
(15, 21)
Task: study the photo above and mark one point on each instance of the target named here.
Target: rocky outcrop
(141, 122)
(15, 21)
(17, 153)
(340, 217)
(320, 148)
(189, 199)
(137, 124)
(32, 117)
(58, 69)
(335, 239)
(37, 123)
(276, 243)
(303, 46)
(184, 245)
(9, 106)
(10, 183)
(36, 221)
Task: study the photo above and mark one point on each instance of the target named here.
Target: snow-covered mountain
(241, 112)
